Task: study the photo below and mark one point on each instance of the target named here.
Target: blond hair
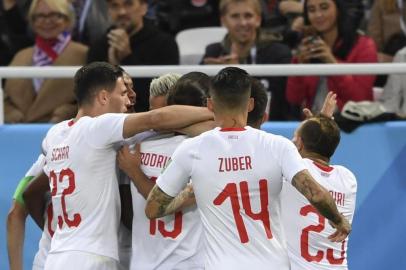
(62, 6)
(160, 86)
(223, 6)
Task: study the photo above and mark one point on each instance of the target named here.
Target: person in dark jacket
(246, 44)
(132, 40)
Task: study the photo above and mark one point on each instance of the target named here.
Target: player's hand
(343, 229)
(328, 108)
(127, 160)
(119, 42)
(329, 104)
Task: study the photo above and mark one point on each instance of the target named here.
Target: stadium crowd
(142, 32)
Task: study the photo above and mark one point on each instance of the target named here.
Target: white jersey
(307, 231)
(84, 187)
(171, 242)
(237, 180)
(57, 132)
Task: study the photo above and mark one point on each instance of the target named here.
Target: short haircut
(258, 92)
(223, 6)
(191, 89)
(160, 86)
(94, 77)
(230, 88)
(320, 135)
(61, 6)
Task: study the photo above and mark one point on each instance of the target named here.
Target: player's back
(237, 179)
(84, 187)
(175, 240)
(307, 231)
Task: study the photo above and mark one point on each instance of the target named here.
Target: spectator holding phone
(331, 37)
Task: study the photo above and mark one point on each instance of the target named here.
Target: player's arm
(130, 163)
(166, 118)
(15, 235)
(16, 225)
(321, 199)
(160, 204)
(34, 197)
(184, 199)
(157, 203)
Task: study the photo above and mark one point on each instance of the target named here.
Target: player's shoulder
(60, 126)
(347, 176)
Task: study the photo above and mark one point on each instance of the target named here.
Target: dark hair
(94, 77)
(230, 87)
(349, 17)
(191, 89)
(320, 135)
(258, 92)
(202, 78)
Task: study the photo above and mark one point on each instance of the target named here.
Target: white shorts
(79, 260)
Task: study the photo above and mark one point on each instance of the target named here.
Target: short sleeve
(178, 170)
(106, 129)
(290, 159)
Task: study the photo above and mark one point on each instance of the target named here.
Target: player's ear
(265, 117)
(251, 104)
(210, 104)
(102, 97)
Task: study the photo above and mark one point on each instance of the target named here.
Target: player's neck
(316, 158)
(87, 111)
(231, 121)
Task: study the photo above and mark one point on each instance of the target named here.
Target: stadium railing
(255, 70)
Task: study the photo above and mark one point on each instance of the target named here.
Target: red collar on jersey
(233, 129)
(323, 167)
(71, 123)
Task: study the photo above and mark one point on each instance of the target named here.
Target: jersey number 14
(230, 191)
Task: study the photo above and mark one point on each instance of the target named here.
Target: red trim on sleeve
(323, 167)
(232, 129)
(71, 123)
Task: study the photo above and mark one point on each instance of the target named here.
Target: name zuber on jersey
(227, 164)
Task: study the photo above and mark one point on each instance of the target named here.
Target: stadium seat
(192, 42)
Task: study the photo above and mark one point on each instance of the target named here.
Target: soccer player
(81, 167)
(175, 241)
(306, 230)
(238, 196)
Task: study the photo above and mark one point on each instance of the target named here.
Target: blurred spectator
(13, 31)
(332, 38)
(394, 94)
(134, 41)
(245, 44)
(91, 18)
(386, 20)
(49, 100)
(176, 15)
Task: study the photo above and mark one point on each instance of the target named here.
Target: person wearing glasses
(42, 99)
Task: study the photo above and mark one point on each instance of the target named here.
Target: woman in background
(45, 100)
(333, 39)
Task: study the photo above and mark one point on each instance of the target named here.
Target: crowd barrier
(376, 154)
(254, 70)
